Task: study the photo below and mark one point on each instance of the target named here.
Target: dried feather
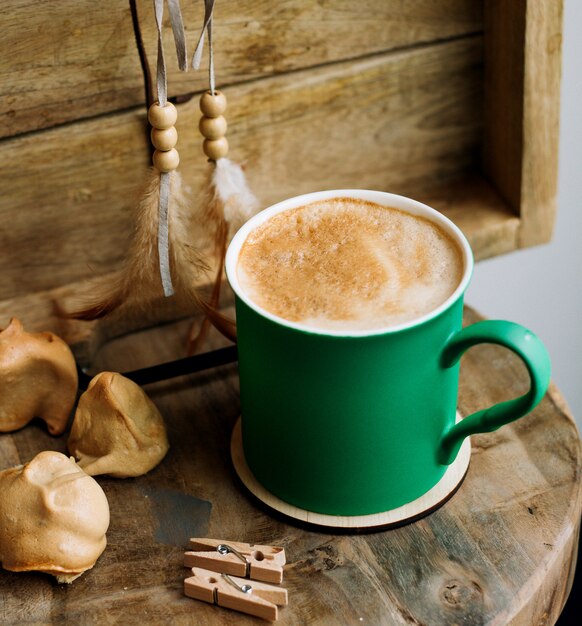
(229, 204)
(231, 190)
(197, 337)
(139, 280)
(186, 258)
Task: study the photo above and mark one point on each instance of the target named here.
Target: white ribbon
(179, 34)
(163, 235)
(206, 27)
(162, 93)
(179, 40)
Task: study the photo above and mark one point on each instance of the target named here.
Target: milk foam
(349, 264)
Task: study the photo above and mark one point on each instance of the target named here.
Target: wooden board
(475, 206)
(382, 94)
(471, 203)
(401, 121)
(522, 109)
(500, 551)
(63, 60)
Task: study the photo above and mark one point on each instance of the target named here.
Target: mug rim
(384, 198)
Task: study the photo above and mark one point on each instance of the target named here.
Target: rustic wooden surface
(400, 121)
(63, 60)
(471, 203)
(385, 95)
(499, 552)
(522, 109)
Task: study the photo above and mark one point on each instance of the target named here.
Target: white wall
(541, 288)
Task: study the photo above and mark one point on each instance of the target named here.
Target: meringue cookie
(38, 378)
(117, 429)
(53, 517)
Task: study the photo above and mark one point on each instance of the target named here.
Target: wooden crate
(453, 102)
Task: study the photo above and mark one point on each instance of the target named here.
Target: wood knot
(323, 558)
(458, 593)
(328, 557)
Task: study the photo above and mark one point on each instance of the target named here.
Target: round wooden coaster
(431, 500)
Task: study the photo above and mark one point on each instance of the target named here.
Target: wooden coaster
(406, 513)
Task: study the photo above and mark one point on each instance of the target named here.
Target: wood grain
(504, 94)
(42, 311)
(471, 203)
(485, 218)
(402, 121)
(499, 552)
(522, 107)
(63, 60)
(541, 118)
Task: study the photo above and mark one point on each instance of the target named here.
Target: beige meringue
(38, 378)
(117, 429)
(53, 517)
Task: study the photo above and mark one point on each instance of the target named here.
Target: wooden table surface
(500, 551)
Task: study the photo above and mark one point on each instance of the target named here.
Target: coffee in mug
(349, 264)
(349, 307)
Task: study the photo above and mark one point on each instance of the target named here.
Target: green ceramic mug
(362, 422)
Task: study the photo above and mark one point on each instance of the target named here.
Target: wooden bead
(213, 105)
(162, 117)
(215, 148)
(164, 139)
(166, 161)
(213, 127)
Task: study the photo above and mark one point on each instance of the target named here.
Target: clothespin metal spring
(224, 548)
(244, 588)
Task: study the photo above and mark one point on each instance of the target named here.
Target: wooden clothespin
(263, 563)
(235, 593)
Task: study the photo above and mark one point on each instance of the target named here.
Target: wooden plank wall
(336, 94)
(522, 109)
(65, 60)
(70, 208)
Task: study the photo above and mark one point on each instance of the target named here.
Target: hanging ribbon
(162, 94)
(163, 217)
(179, 34)
(206, 27)
(228, 200)
(179, 41)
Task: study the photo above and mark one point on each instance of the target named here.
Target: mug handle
(532, 352)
